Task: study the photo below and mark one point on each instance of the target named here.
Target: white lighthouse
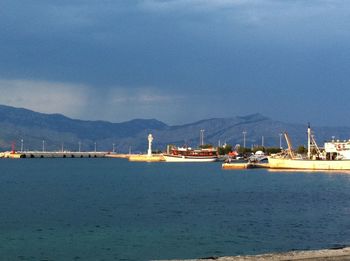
(150, 139)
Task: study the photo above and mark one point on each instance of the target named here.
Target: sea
(113, 209)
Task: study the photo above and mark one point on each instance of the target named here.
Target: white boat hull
(282, 163)
(179, 158)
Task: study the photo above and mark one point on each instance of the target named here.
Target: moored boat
(187, 154)
(308, 164)
(335, 156)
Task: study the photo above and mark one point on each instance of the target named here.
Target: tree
(272, 150)
(225, 149)
(257, 148)
(242, 150)
(301, 150)
(206, 146)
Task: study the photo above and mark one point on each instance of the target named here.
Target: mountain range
(31, 130)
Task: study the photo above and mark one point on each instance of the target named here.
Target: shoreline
(317, 255)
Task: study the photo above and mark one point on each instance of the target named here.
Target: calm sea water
(111, 209)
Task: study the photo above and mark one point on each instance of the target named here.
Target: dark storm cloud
(251, 55)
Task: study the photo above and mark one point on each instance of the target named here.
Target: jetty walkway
(75, 154)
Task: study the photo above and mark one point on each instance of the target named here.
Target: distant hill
(58, 130)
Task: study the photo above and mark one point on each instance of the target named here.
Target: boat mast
(308, 141)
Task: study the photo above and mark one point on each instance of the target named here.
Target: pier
(244, 165)
(147, 158)
(74, 154)
(55, 154)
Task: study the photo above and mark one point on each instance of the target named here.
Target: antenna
(244, 133)
(201, 137)
(280, 140)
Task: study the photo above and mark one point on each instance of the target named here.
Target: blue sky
(178, 60)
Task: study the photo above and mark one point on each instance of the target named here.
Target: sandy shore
(319, 255)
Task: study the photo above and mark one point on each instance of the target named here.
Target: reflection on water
(311, 171)
(111, 209)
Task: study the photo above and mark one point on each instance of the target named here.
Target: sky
(178, 61)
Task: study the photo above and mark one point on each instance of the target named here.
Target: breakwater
(54, 154)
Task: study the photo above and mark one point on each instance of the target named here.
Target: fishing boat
(258, 157)
(335, 156)
(187, 154)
